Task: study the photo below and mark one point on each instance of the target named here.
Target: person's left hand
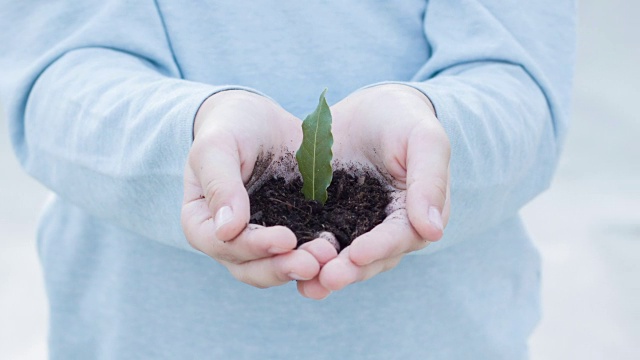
(391, 128)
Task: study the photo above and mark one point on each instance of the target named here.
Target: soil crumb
(356, 204)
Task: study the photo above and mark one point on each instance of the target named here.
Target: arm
(500, 79)
(500, 83)
(100, 114)
(102, 118)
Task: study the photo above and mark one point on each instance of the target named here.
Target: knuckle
(242, 274)
(392, 242)
(428, 185)
(229, 257)
(434, 188)
(223, 251)
(214, 188)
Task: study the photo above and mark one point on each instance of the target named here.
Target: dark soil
(355, 206)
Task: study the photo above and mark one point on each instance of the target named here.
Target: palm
(391, 130)
(232, 131)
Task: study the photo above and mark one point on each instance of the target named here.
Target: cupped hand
(392, 129)
(232, 130)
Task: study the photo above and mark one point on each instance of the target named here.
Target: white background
(587, 226)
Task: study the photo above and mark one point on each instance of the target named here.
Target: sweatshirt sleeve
(499, 77)
(98, 111)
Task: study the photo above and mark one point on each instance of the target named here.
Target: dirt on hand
(356, 204)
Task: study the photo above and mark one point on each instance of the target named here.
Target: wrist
(228, 98)
(399, 91)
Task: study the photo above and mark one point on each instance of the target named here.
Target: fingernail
(223, 216)
(295, 276)
(435, 218)
(331, 239)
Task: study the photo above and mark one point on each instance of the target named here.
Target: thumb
(428, 154)
(217, 166)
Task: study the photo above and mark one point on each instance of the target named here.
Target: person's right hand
(231, 130)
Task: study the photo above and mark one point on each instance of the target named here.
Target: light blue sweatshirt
(101, 97)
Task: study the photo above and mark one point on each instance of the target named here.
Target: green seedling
(314, 156)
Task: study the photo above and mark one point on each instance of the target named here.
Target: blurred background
(587, 226)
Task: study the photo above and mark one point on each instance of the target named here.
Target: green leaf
(314, 155)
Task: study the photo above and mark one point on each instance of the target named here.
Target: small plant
(337, 206)
(314, 155)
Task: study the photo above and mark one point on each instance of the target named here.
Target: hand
(231, 130)
(392, 128)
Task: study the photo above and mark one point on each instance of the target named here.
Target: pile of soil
(355, 206)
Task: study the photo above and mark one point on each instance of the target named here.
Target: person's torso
(290, 51)
(115, 294)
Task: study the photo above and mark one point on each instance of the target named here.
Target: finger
(341, 271)
(217, 166)
(312, 289)
(276, 270)
(254, 242)
(394, 236)
(321, 249)
(428, 154)
(324, 251)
